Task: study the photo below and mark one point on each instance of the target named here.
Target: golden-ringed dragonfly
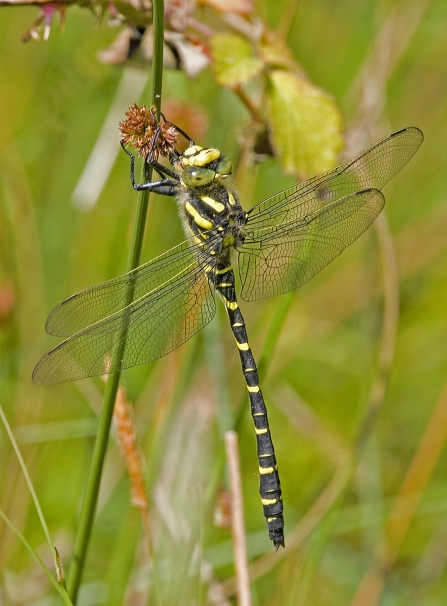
(278, 245)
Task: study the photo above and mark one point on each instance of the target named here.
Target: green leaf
(275, 52)
(305, 123)
(233, 59)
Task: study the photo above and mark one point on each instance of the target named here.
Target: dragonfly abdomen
(269, 482)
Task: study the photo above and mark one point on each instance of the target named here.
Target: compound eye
(194, 176)
(224, 167)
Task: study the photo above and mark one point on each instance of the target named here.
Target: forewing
(278, 258)
(371, 168)
(153, 325)
(283, 247)
(102, 300)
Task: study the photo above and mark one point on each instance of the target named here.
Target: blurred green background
(366, 519)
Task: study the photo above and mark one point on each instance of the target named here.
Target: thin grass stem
(58, 586)
(56, 560)
(94, 479)
(29, 483)
(274, 332)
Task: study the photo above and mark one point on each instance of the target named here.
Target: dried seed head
(167, 138)
(141, 128)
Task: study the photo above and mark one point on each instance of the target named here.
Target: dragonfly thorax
(213, 210)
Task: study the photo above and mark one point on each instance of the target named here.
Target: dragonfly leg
(165, 187)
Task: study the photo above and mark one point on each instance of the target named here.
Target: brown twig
(238, 524)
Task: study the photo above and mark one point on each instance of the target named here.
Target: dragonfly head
(201, 166)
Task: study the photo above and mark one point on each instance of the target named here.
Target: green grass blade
(58, 586)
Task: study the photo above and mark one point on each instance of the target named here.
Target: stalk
(105, 419)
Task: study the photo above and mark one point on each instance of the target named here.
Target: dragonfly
(277, 246)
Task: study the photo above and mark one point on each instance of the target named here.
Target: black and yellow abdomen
(269, 482)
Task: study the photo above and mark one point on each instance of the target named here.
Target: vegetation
(353, 364)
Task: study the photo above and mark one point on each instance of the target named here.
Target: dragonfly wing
(371, 168)
(278, 258)
(148, 328)
(102, 300)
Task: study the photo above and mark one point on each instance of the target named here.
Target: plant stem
(57, 585)
(105, 419)
(91, 492)
(274, 332)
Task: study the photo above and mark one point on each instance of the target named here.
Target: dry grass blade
(238, 524)
(405, 505)
(389, 329)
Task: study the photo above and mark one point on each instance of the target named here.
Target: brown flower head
(142, 130)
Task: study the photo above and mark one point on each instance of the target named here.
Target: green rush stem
(105, 419)
(212, 341)
(274, 332)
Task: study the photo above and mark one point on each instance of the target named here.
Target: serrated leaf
(305, 123)
(233, 59)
